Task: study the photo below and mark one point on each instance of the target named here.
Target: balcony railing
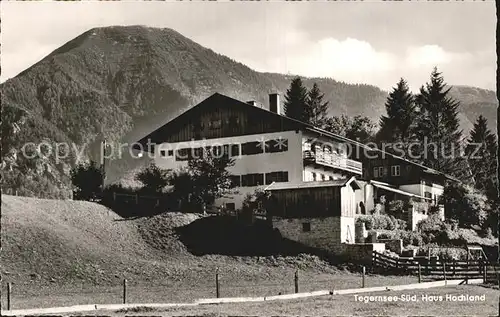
(333, 160)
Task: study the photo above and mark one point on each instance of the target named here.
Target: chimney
(274, 103)
(252, 103)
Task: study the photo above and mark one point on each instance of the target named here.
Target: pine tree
(296, 101)
(481, 152)
(398, 126)
(437, 129)
(317, 110)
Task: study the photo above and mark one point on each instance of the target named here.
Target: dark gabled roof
(216, 99)
(297, 123)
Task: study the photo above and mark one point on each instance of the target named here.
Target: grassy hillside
(120, 83)
(55, 241)
(70, 252)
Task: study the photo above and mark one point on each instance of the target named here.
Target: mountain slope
(120, 83)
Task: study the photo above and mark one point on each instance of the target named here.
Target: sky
(356, 42)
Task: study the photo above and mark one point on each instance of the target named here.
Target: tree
(359, 128)
(296, 101)
(437, 128)
(205, 179)
(87, 180)
(481, 152)
(398, 125)
(153, 178)
(317, 110)
(467, 205)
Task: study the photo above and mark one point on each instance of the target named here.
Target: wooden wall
(219, 117)
(305, 202)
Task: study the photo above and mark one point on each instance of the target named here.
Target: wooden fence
(436, 269)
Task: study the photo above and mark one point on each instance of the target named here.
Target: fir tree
(481, 152)
(398, 126)
(437, 128)
(296, 101)
(317, 110)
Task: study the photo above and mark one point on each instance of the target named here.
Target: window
(427, 195)
(215, 123)
(198, 152)
(331, 178)
(235, 180)
(170, 152)
(375, 172)
(323, 177)
(251, 148)
(437, 199)
(277, 145)
(235, 150)
(183, 154)
(163, 153)
(314, 176)
(252, 180)
(395, 170)
(217, 150)
(306, 226)
(230, 206)
(381, 171)
(276, 177)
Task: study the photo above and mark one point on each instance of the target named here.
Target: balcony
(334, 161)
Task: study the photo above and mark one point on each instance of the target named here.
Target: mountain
(120, 83)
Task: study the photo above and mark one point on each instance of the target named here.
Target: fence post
(124, 291)
(454, 267)
(467, 273)
(444, 273)
(364, 274)
(9, 294)
(419, 273)
(296, 280)
(485, 268)
(217, 293)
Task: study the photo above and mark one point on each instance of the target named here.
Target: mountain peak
(122, 82)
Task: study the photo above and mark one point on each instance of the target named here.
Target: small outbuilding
(318, 214)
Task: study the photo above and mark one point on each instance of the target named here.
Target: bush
(384, 236)
(401, 224)
(396, 208)
(153, 178)
(445, 253)
(380, 222)
(432, 224)
(409, 238)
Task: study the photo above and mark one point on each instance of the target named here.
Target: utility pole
(103, 164)
(498, 147)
